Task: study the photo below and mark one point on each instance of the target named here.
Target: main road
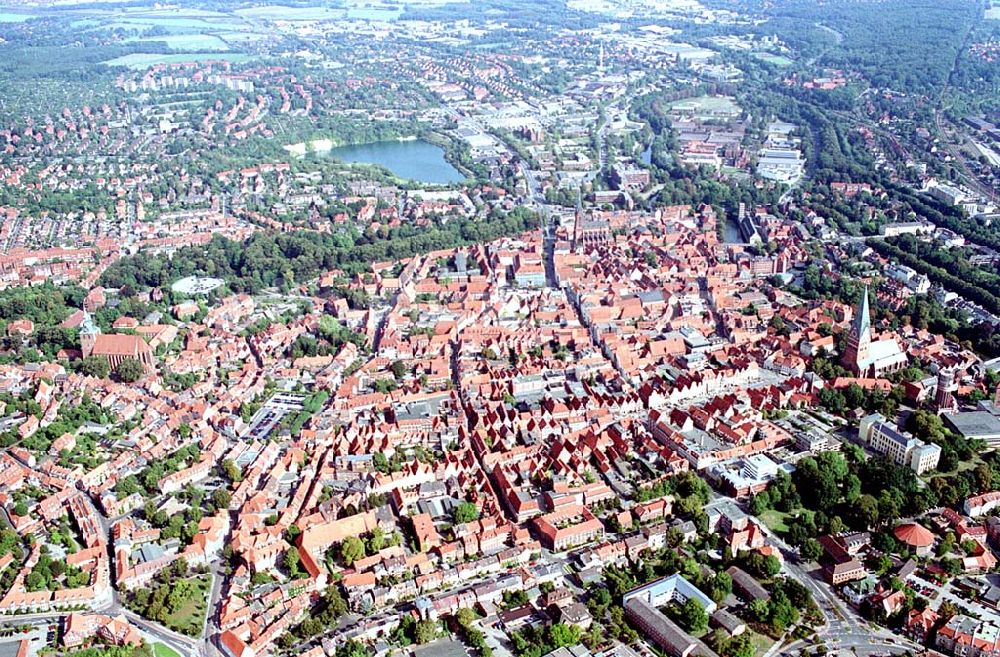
(843, 628)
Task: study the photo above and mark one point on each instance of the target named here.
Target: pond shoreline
(410, 158)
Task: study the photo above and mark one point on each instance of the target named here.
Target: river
(730, 230)
(416, 160)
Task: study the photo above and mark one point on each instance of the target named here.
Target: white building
(781, 164)
(897, 447)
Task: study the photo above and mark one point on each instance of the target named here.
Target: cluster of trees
(283, 259)
(354, 548)
(691, 494)
(854, 396)
(949, 267)
(10, 543)
(536, 640)
(70, 418)
(130, 370)
(952, 485)
(782, 610)
(667, 562)
(411, 631)
(831, 492)
(147, 481)
(45, 305)
(473, 636)
(386, 465)
(851, 217)
(320, 618)
(609, 618)
(955, 449)
(818, 283)
(465, 512)
(54, 574)
(249, 408)
(762, 566)
(174, 591)
(312, 404)
(144, 650)
(181, 526)
(740, 645)
(691, 616)
(331, 336)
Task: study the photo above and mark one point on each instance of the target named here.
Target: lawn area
(282, 12)
(184, 23)
(963, 466)
(190, 616)
(760, 642)
(141, 61)
(707, 107)
(775, 520)
(163, 650)
(194, 42)
(709, 103)
(770, 58)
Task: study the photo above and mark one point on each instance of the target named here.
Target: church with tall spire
(868, 358)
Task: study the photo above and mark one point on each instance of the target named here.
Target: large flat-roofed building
(781, 164)
(979, 425)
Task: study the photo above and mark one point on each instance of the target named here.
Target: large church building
(867, 358)
(115, 347)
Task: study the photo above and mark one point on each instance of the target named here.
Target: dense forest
(269, 259)
(909, 46)
(949, 267)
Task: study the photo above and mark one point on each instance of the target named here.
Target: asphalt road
(843, 628)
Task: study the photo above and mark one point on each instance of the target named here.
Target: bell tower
(88, 334)
(858, 349)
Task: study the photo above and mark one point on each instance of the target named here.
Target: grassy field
(163, 650)
(190, 42)
(760, 642)
(184, 23)
(281, 12)
(709, 104)
(141, 61)
(775, 520)
(190, 617)
(176, 24)
(373, 14)
(770, 58)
